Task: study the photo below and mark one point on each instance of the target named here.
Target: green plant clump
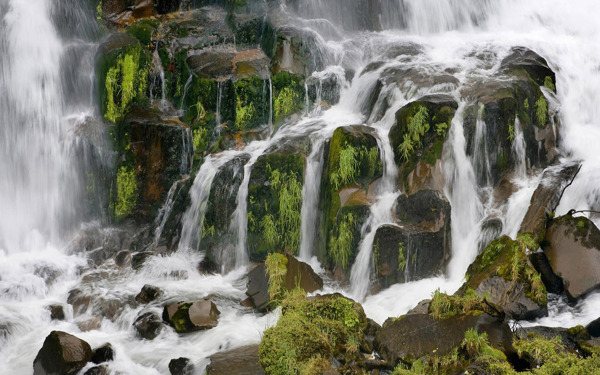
(127, 192)
(401, 256)
(417, 126)
(309, 331)
(549, 84)
(276, 269)
(351, 160)
(340, 247)
(443, 306)
(541, 111)
(286, 103)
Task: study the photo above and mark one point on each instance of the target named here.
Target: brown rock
(62, 353)
(241, 361)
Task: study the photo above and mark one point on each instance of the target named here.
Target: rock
(589, 347)
(569, 337)
(250, 62)
(297, 274)
(207, 266)
(546, 198)
(191, 316)
(212, 64)
(412, 336)
(62, 353)
(594, 328)
(573, 250)
(97, 370)
(181, 366)
(79, 300)
(148, 325)
(421, 308)
(148, 294)
(123, 258)
(104, 353)
(554, 284)
(137, 260)
(242, 361)
(512, 297)
(57, 312)
(533, 64)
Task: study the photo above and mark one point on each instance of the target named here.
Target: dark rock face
(57, 312)
(546, 198)
(104, 353)
(242, 361)
(512, 297)
(148, 325)
(194, 316)
(413, 336)
(421, 246)
(594, 328)
(211, 64)
(181, 366)
(62, 353)
(137, 260)
(573, 250)
(97, 370)
(148, 294)
(297, 274)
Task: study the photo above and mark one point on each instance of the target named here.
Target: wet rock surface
(191, 316)
(62, 353)
(243, 361)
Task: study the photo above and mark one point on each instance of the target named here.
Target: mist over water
(47, 86)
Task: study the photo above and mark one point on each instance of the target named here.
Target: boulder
(512, 297)
(212, 64)
(191, 316)
(546, 198)
(297, 274)
(572, 245)
(104, 353)
(569, 337)
(148, 294)
(97, 370)
(181, 366)
(411, 337)
(148, 325)
(62, 353)
(594, 328)
(242, 361)
(57, 312)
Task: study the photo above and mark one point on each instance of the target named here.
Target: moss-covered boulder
(502, 273)
(408, 338)
(62, 353)
(352, 164)
(572, 245)
(421, 246)
(274, 205)
(417, 139)
(310, 332)
(153, 154)
(122, 70)
(191, 316)
(283, 273)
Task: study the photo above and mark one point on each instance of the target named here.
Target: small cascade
(310, 199)
(410, 266)
(461, 190)
(193, 219)
(270, 103)
(306, 100)
(187, 151)
(185, 90)
(482, 167)
(165, 211)
(519, 150)
(219, 97)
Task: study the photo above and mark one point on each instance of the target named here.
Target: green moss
(142, 31)
(251, 104)
(537, 349)
(180, 319)
(541, 111)
(276, 269)
(288, 95)
(310, 330)
(340, 246)
(127, 193)
(286, 103)
(443, 306)
(549, 84)
(401, 257)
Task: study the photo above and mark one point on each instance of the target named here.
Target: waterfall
(310, 199)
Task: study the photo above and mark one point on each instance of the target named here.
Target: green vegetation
(443, 306)
(340, 247)
(200, 139)
(286, 103)
(127, 192)
(538, 349)
(276, 269)
(243, 114)
(142, 31)
(351, 161)
(417, 126)
(251, 104)
(309, 332)
(288, 95)
(541, 111)
(549, 84)
(401, 257)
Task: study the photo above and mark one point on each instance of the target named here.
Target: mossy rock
(352, 159)
(503, 271)
(288, 95)
(522, 60)
(274, 205)
(122, 65)
(420, 131)
(311, 329)
(251, 103)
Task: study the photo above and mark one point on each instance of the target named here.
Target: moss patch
(288, 95)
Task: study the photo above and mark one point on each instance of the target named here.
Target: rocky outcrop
(181, 366)
(148, 294)
(546, 198)
(410, 337)
(420, 245)
(104, 353)
(62, 353)
(297, 274)
(148, 325)
(573, 251)
(242, 361)
(191, 316)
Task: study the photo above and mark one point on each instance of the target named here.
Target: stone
(104, 353)
(181, 366)
(57, 312)
(546, 198)
(212, 64)
(242, 361)
(572, 245)
(148, 294)
(191, 316)
(511, 296)
(594, 328)
(148, 325)
(297, 274)
(138, 259)
(62, 353)
(412, 336)
(97, 370)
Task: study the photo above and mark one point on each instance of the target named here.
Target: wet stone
(148, 294)
(181, 366)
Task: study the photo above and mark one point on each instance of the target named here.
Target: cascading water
(39, 190)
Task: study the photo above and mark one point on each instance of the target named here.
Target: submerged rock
(241, 361)
(192, 316)
(573, 251)
(181, 366)
(148, 294)
(104, 353)
(62, 353)
(148, 325)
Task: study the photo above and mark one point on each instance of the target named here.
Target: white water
(37, 206)
(310, 199)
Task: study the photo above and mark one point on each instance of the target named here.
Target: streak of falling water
(310, 199)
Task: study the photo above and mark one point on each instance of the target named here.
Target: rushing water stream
(41, 184)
